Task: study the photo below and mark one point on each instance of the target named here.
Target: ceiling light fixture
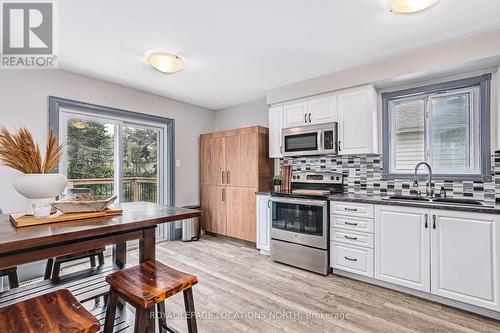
(165, 61)
(410, 6)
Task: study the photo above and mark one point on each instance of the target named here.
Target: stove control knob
(298, 177)
(294, 177)
(338, 178)
(332, 178)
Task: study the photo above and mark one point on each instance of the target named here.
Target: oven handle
(318, 203)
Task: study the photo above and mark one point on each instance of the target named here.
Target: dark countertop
(377, 200)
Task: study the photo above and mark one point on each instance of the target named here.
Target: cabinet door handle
(351, 209)
(309, 117)
(223, 194)
(433, 221)
(228, 177)
(340, 146)
(222, 177)
(305, 118)
(351, 238)
(426, 221)
(268, 203)
(351, 259)
(281, 149)
(350, 223)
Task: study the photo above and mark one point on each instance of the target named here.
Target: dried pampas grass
(21, 152)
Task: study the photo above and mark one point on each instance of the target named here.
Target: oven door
(300, 221)
(301, 142)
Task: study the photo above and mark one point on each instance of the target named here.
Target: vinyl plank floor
(240, 290)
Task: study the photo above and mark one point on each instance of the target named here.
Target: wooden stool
(11, 274)
(53, 268)
(55, 312)
(146, 285)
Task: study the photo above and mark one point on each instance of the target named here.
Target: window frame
(481, 124)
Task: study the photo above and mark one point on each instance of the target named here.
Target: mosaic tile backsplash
(368, 177)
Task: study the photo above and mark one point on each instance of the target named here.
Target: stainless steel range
(300, 221)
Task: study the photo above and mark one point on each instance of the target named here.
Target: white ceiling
(237, 49)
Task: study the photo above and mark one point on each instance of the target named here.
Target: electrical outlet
(177, 163)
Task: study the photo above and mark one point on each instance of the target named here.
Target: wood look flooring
(240, 290)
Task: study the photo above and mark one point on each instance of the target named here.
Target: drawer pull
(351, 238)
(351, 209)
(351, 259)
(350, 223)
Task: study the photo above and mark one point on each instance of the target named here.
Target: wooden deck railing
(134, 188)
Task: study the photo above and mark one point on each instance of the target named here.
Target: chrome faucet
(429, 190)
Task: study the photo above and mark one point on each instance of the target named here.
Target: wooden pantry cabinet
(234, 165)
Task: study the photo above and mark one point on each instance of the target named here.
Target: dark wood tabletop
(135, 216)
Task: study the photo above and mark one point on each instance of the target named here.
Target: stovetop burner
(307, 185)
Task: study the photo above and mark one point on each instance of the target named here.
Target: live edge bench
(29, 244)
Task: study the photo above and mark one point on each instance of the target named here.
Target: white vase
(40, 187)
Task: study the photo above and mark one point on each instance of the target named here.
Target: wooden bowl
(84, 203)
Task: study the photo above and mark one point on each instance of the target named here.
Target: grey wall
(243, 115)
(24, 102)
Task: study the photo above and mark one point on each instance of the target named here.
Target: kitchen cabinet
(310, 112)
(241, 213)
(263, 223)
(213, 205)
(351, 237)
(234, 165)
(275, 127)
(402, 251)
(212, 152)
(241, 160)
(466, 257)
(295, 114)
(357, 121)
(322, 110)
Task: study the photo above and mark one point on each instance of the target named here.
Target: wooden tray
(23, 220)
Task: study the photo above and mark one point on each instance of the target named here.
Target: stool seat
(150, 283)
(55, 312)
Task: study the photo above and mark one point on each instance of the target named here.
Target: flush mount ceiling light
(165, 61)
(410, 6)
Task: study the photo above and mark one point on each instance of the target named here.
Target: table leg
(147, 245)
(120, 255)
(147, 251)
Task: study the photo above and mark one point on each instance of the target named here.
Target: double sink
(441, 201)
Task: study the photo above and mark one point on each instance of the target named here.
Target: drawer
(351, 237)
(351, 258)
(352, 223)
(352, 209)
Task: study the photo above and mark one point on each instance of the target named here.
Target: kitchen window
(446, 125)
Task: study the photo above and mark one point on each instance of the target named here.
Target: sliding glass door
(109, 156)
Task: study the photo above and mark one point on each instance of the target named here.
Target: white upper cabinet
(275, 127)
(311, 112)
(322, 110)
(296, 114)
(357, 118)
(466, 257)
(402, 246)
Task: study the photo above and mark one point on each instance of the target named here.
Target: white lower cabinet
(354, 259)
(453, 254)
(263, 223)
(466, 257)
(402, 251)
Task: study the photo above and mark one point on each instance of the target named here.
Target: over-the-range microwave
(310, 140)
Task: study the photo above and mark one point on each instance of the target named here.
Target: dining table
(138, 221)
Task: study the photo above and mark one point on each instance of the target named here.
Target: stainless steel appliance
(310, 140)
(300, 221)
(191, 227)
